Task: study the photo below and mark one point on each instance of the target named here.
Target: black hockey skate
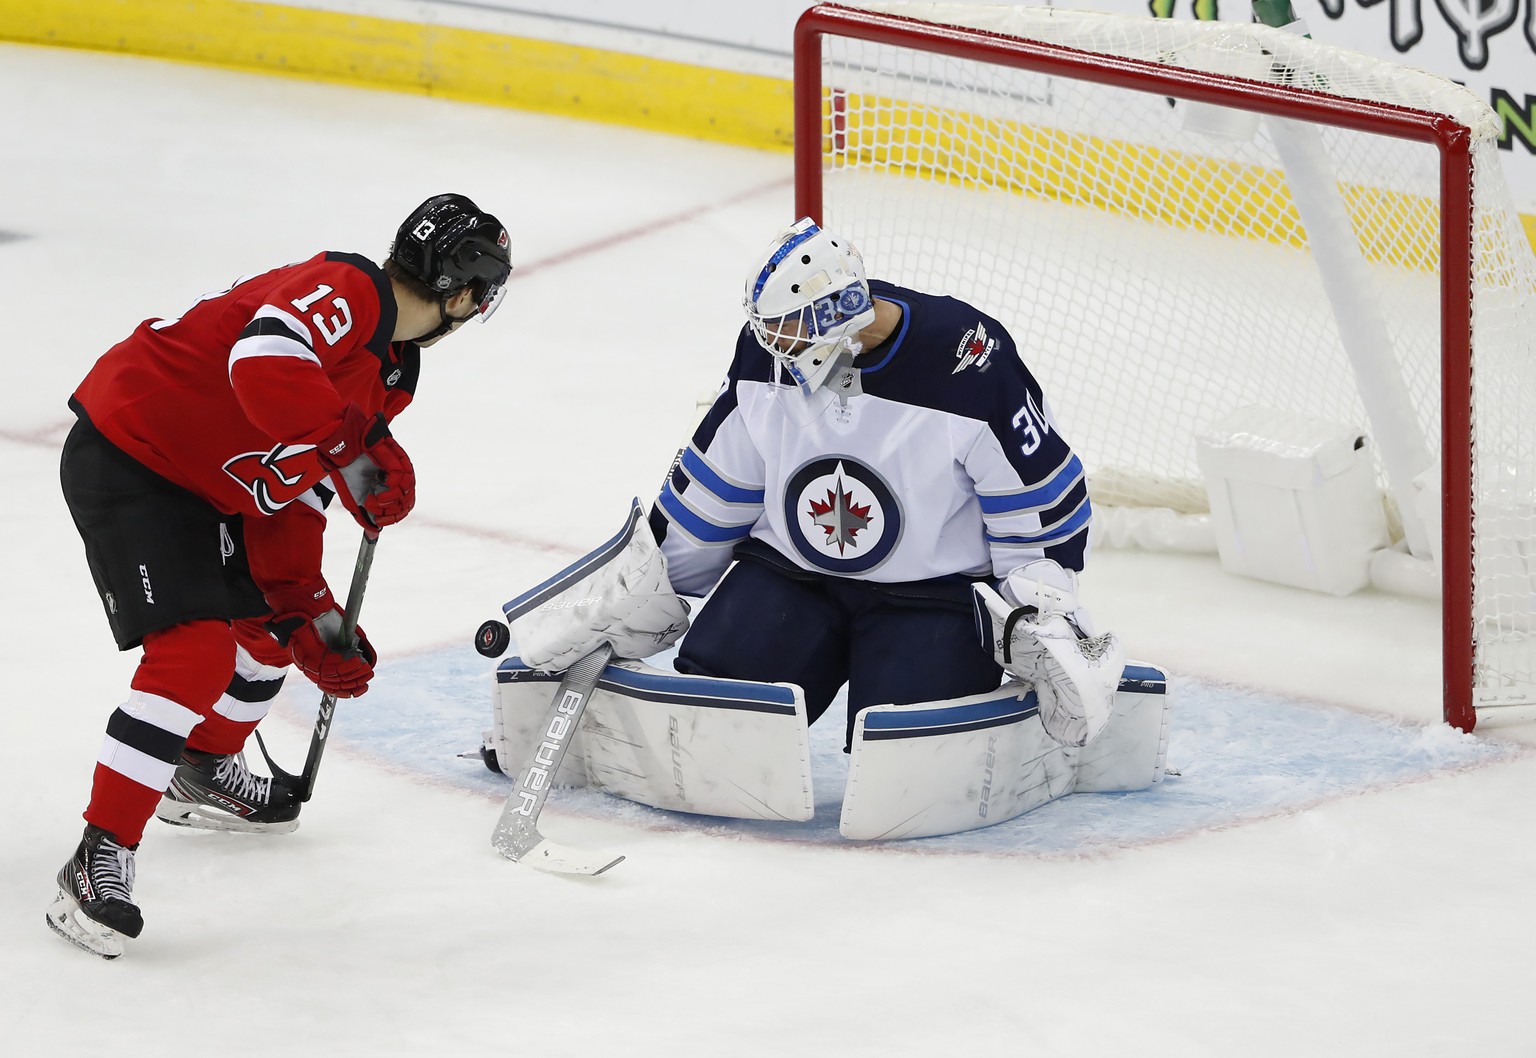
(213, 792)
(94, 909)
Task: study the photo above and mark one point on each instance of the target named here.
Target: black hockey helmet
(450, 243)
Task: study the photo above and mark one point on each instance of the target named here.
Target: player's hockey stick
(304, 782)
(517, 834)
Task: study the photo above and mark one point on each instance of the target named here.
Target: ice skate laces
(112, 868)
(234, 776)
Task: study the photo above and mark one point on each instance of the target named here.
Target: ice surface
(1332, 873)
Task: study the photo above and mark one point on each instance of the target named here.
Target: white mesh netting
(1154, 261)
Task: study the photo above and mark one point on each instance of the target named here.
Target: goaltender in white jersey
(878, 497)
(931, 454)
(874, 452)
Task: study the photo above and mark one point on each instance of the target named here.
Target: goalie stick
(517, 834)
(304, 782)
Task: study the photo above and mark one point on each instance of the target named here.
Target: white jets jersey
(933, 455)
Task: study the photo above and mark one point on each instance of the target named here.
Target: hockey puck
(493, 638)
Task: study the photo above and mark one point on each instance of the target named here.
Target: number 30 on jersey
(1031, 424)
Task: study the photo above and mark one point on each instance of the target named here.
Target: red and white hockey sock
(182, 673)
(247, 699)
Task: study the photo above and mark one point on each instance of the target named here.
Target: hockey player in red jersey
(206, 450)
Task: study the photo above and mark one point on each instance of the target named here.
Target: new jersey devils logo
(276, 478)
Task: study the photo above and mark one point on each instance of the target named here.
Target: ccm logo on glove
(310, 627)
(373, 476)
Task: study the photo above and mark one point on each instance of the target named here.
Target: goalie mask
(807, 302)
(450, 243)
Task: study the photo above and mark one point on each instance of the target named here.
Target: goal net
(1178, 220)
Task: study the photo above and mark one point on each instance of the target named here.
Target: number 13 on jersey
(337, 324)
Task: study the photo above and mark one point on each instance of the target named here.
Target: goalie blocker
(740, 749)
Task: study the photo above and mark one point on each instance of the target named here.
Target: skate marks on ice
(1240, 755)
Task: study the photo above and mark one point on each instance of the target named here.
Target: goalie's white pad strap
(732, 748)
(948, 767)
(618, 594)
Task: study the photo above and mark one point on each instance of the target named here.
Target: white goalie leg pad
(1130, 753)
(618, 594)
(519, 710)
(732, 748)
(947, 767)
(951, 766)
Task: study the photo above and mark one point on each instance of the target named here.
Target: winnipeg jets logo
(841, 516)
(975, 348)
(276, 478)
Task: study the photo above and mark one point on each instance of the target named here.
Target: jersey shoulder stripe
(707, 478)
(696, 525)
(1046, 494)
(268, 324)
(1073, 524)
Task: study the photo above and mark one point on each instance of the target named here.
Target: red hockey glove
(310, 627)
(372, 474)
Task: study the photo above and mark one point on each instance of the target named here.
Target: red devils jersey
(230, 399)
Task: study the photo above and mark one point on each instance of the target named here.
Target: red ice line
(652, 227)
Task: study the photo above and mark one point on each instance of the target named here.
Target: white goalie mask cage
(808, 300)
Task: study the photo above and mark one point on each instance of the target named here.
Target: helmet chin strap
(446, 323)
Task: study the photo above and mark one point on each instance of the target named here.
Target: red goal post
(951, 142)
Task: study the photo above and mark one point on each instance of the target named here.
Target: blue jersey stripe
(906, 322)
(697, 526)
(704, 476)
(1071, 527)
(1039, 497)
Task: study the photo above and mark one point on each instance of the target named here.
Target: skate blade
(197, 817)
(69, 920)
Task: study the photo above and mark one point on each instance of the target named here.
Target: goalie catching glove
(618, 594)
(1039, 633)
(309, 625)
(372, 474)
